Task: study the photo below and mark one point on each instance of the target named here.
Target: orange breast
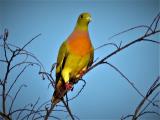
(79, 42)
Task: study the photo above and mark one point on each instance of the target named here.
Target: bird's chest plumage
(79, 43)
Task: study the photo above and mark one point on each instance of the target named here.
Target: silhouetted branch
(17, 78)
(16, 97)
(10, 53)
(32, 110)
(131, 29)
(107, 44)
(68, 109)
(79, 90)
(156, 18)
(30, 41)
(139, 111)
(131, 83)
(153, 41)
(154, 86)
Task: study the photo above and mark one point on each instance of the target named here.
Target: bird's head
(83, 20)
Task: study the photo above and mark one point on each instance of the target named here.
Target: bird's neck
(81, 26)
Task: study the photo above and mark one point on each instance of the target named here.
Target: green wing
(62, 55)
(91, 58)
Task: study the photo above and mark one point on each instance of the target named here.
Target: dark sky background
(107, 96)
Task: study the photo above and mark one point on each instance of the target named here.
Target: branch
(149, 112)
(5, 116)
(156, 18)
(32, 110)
(16, 96)
(112, 44)
(48, 112)
(131, 83)
(150, 91)
(30, 41)
(17, 79)
(68, 109)
(131, 29)
(79, 90)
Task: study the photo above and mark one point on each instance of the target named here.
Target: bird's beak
(89, 19)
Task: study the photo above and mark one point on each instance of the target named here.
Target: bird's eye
(81, 16)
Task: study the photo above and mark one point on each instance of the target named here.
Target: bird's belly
(76, 63)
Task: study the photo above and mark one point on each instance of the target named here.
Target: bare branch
(153, 23)
(153, 103)
(149, 112)
(3, 61)
(16, 96)
(5, 116)
(48, 112)
(30, 41)
(150, 91)
(131, 29)
(153, 41)
(32, 110)
(131, 83)
(20, 111)
(112, 44)
(17, 78)
(79, 90)
(68, 109)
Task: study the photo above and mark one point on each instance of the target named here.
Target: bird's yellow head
(83, 20)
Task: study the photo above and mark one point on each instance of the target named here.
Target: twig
(150, 91)
(68, 109)
(153, 23)
(16, 97)
(30, 41)
(149, 112)
(153, 41)
(32, 110)
(150, 103)
(130, 29)
(112, 44)
(79, 90)
(17, 79)
(131, 83)
(5, 116)
(48, 112)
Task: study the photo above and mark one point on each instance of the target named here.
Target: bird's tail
(59, 92)
(55, 100)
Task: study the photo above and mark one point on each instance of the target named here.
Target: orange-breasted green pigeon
(75, 56)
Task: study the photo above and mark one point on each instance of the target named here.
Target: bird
(75, 56)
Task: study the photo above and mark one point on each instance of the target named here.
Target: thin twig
(32, 110)
(79, 90)
(68, 109)
(153, 23)
(150, 91)
(16, 97)
(30, 41)
(130, 29)
(131, 83)
(16, 79)
(112, 44)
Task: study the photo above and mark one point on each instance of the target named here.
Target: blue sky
(107, 95)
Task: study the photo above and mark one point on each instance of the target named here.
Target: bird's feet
(68, 86)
